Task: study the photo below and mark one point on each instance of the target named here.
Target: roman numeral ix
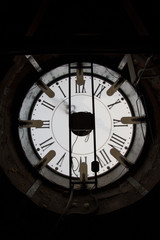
(113, 104)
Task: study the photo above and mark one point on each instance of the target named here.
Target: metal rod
(94, 125)
(70, 140)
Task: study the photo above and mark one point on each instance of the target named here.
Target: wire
(66, 209)
(143, 70)
(87, 137)
(74, 157)
(140, 96)
(151, 76)
(74, 142)
(139, 113)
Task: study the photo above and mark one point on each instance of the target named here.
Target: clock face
(47, 138)
(54, 133)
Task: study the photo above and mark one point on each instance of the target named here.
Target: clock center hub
(82, 123)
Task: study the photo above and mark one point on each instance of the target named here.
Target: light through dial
(54, 133)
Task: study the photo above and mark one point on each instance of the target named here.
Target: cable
(143, 70)
(140, 96)
(87, 137)
(65, 210)
(74, 142)
(139, 114)
(151, 76)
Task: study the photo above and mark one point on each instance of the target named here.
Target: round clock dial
(54, 133)
(77, 129)
(49, 111)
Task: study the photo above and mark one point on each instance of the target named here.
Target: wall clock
(49, 114)
(80, 126)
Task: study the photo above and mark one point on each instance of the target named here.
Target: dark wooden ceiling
(54, 26)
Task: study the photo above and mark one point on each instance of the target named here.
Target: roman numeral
(46, 144)
(118, 123)
(80, 164)
(61, 90)
(80, 88)
(46, 124)
(99, 90)
(103, 158)
(60, 162)
(75, 166)
(113, 104)
(48, 105)
(117, 141)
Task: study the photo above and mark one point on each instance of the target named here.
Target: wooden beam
(134, 18)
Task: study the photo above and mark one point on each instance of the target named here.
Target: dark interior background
(45, 26)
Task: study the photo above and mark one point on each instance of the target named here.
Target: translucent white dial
(54, 134)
